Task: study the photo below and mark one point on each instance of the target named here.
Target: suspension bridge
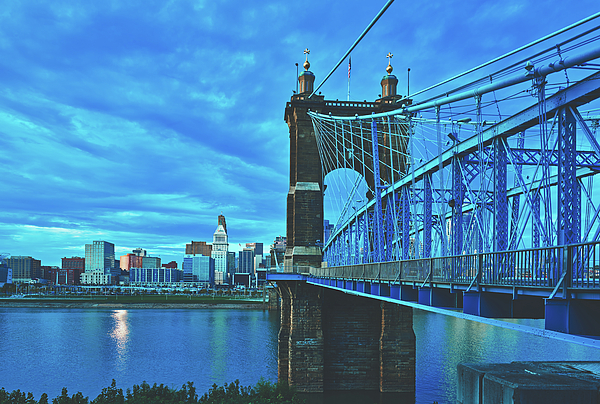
(481, 197)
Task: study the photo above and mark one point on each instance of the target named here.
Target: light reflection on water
(43, 350)
(120, 335)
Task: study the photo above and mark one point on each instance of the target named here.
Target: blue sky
(139, 122)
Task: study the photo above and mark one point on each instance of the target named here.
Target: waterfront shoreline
(117, 305)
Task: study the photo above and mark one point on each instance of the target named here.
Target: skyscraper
(258, 255)
(199, 268)
(222, 222)
(220, 248)
(246, 261)
(99, 256)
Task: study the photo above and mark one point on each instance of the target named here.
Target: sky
(139, 122)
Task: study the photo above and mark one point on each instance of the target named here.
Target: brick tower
(305, 196)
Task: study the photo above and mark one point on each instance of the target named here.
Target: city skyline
(139, 124)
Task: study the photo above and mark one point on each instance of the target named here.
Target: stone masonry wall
(330, 340)
(352, 327)
(397, 351)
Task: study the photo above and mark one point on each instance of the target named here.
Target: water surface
(43, 350)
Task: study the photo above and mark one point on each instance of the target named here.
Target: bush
(264, 392)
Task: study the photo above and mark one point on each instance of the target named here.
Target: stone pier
(332, 341)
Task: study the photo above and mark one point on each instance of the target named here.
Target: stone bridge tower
(305, 196)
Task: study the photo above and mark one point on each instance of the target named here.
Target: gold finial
(306, 63)
(389, 67)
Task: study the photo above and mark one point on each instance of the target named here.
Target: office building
(154, 276)
(231, 267)
(220, 248)
(99, 256)
(199, 269)
(24, 269)
(96, 278)
(198, 248)
(170, 265)
(130, 260)
(5, 274)
(58, 276)
(258, 256)
(257, 247)
(246, 261)
(151, 262)
(266, 261)
(73, 263)
(221, 222)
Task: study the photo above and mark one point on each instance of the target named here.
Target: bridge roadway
(559, 284)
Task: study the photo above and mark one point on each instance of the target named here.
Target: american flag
(349, 66)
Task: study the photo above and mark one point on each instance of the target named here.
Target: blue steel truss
(515, 183)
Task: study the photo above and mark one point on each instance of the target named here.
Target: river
(43, 350)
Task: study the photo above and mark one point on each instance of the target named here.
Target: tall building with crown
(221, 221)
(220, 247)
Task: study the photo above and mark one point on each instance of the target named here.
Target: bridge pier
(333, 341)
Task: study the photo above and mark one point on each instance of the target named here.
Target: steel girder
(405, 222)
(389, 227)
(378, 229)
(577, 94)
(500, 200)
(457, 206)
(532, 157)
(574, 95)
(427, 216)
(568, 194)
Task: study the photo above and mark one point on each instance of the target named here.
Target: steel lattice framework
(452, 175)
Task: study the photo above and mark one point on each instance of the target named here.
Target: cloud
(139, 122)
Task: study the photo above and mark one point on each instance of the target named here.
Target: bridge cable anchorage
(385, 7)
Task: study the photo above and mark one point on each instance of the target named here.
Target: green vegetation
(264, 392)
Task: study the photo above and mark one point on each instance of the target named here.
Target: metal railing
(573, 266)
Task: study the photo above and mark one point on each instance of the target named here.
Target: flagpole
(349, 67)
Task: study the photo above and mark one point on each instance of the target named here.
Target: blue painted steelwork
(357, 235)
(568, 203)
(351, 242)
(405, 214)
(477, 209)
(427, 216)
(378, 225)
(457, 208)
(389, 227)
(345, 244)
(516, 200)
(365, 233)
(500, 199)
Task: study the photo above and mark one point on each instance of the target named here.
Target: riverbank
(87, 305)
(134, 302)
